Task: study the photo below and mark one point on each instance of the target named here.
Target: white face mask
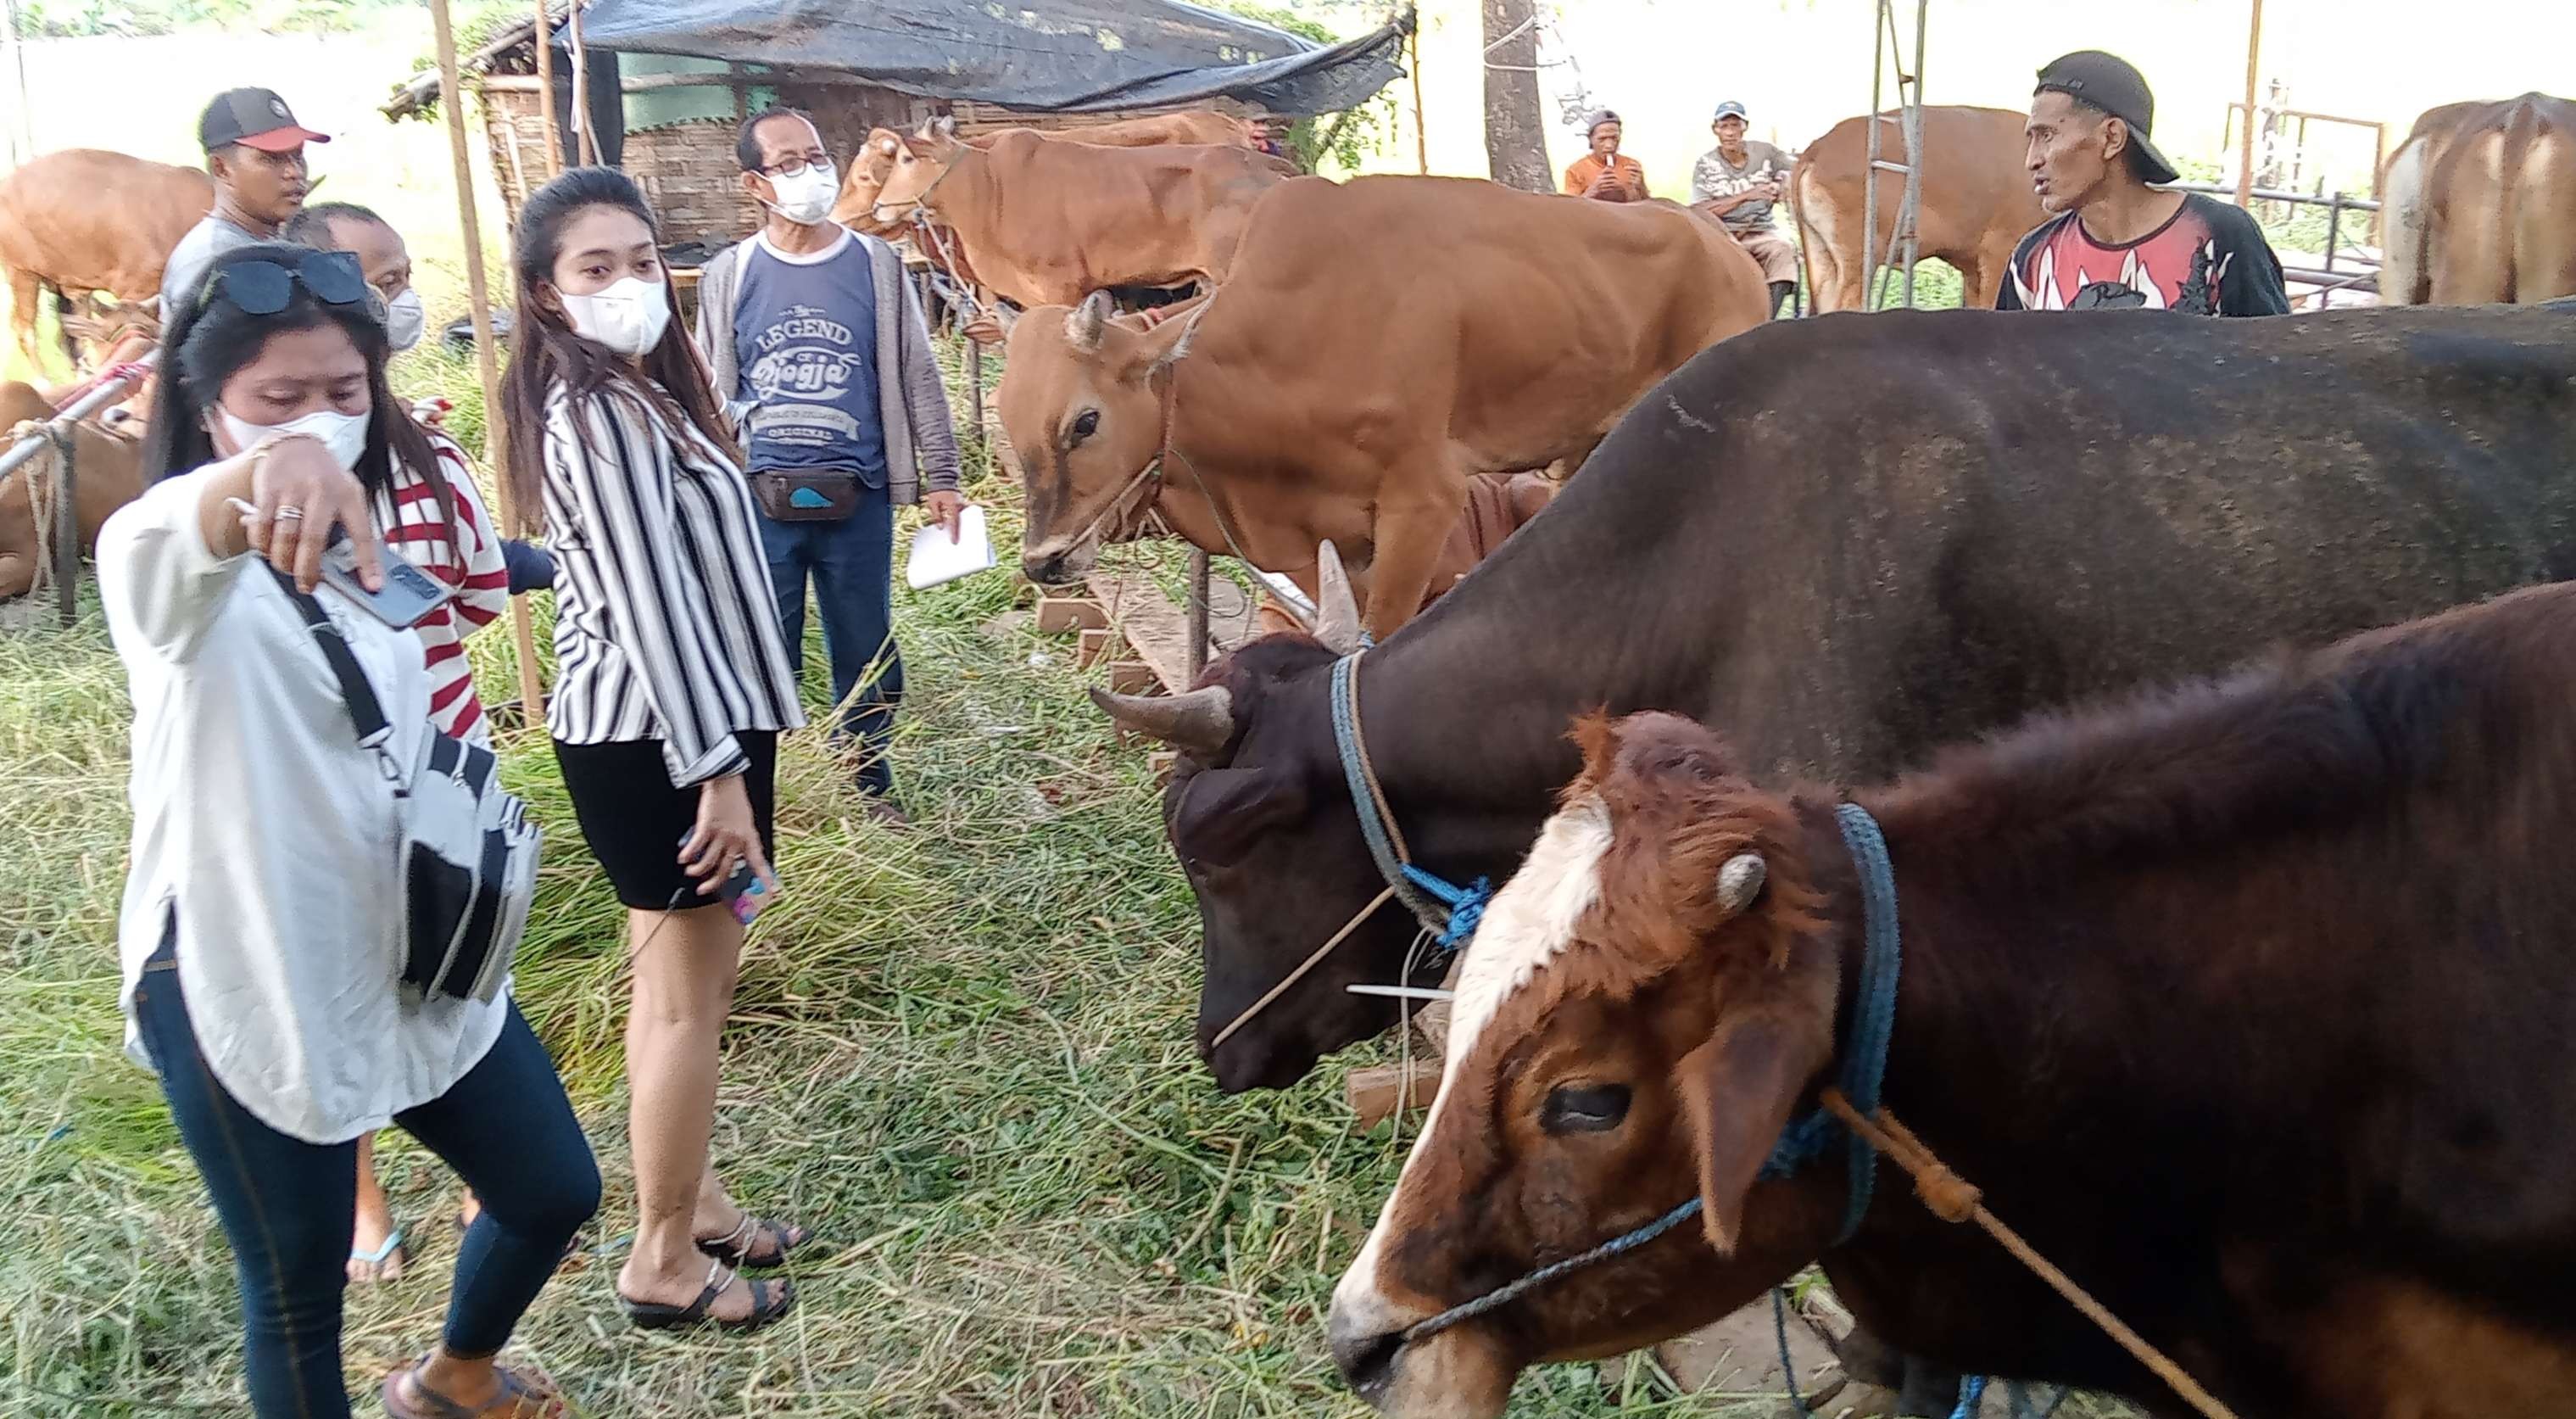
(344, 434)
(629, 317)
(405, 320)
(806, 199)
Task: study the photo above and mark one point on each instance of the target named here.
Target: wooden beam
(1151, 624)
(1058, 615)
(532, 693)
(1375, 1093)
(545, 42)
(2253, 76)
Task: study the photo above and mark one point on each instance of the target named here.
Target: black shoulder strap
(367, 716)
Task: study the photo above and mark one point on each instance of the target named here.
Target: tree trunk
(1515, 142)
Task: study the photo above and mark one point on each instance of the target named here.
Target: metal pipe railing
(56, 433)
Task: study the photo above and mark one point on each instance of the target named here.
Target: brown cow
(1976, 201)
(1380, 342)
(1046, 222)
(107, 474)
(85, 220)
(2245, 1004)
(2481, 205)
(869, 168)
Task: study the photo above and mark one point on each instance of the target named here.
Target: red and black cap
(253, 118)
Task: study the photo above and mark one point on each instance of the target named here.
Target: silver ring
(288, 513)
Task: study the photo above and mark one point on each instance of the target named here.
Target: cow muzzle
(1455, 1374)
(1060, 566)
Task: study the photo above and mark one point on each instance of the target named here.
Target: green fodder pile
(961, 1052)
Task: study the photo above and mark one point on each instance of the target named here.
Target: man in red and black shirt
(2116, 242)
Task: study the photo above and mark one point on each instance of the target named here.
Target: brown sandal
(523, 1396)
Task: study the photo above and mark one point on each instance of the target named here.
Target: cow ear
(1737, 1092)
(1222, 812)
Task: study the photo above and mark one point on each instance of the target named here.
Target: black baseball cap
(253, 118)
(2115, 86)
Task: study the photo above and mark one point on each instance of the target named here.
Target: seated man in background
(1737, 182)
(1605, 174)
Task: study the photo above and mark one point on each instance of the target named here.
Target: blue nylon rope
(1450, 912)
(1619, 1245)
(1873, 1026)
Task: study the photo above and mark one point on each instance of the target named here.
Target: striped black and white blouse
(665, 625)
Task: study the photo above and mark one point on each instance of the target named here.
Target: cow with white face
(1586, 1043)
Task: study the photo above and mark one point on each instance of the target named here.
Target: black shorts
(635, 821)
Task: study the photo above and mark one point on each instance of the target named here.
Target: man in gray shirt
(255, 153)
(1737, 182)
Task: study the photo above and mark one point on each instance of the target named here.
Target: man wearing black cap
(2116, 242)
(255, 152)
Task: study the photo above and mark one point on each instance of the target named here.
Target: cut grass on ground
(961, 1052)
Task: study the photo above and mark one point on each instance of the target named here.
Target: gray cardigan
(920, 436)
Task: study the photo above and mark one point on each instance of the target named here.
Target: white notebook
(936, 559)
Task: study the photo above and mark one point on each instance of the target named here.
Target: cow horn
(1337, 612)
(1083, 328)
(1200, 721)
(1740, 880)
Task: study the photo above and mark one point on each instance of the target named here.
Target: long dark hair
(212, 340)
(544, 351)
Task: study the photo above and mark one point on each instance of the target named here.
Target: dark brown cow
(107, 474)
(2245, 1003)
(2481, 205)
(1976, 201)
(84, 220)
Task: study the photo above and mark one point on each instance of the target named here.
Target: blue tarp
(1063, 56)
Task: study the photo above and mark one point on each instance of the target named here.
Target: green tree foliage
(1345, 138)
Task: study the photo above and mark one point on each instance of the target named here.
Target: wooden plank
(1375, 1093)
(1152, 626)
(1060, 615)
(1095, 646)
(1133, 677)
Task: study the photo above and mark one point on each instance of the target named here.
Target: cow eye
(1584, 1108)
(1085, 424)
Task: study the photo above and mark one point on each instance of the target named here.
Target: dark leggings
(286, 1205)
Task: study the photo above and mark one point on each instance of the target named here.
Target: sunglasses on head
(264, 287)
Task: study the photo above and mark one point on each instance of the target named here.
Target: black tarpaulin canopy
(1060, 55)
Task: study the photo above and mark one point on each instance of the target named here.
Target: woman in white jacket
(259, 934)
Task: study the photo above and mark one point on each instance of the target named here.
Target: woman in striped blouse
(672, 685)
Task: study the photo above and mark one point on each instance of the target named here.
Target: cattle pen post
(532, 694)
(545, 53)
(2253, 72)
(1903, 247)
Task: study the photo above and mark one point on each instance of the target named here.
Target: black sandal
(769, 1305)
(734, 1247)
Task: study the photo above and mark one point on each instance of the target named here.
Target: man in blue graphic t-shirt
(819, 347)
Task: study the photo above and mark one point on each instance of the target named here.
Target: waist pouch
(819, 495)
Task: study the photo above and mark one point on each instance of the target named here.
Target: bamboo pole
(532, 695)
(1421, 140)
(546, 95)
(2253, 74)
(581, 90)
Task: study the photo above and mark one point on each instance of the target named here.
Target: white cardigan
(270, 835)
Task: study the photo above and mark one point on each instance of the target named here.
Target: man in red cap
(255, 152)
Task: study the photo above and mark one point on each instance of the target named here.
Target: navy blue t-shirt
(805, 339)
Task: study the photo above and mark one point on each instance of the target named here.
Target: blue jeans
(287, 1206)
(852, 564)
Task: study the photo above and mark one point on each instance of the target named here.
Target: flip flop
(519, 1399)
(734, 1247)
(768, 1307)
(378, 1257)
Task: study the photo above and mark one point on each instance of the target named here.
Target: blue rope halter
(1447, 910)
(1864, 1071)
